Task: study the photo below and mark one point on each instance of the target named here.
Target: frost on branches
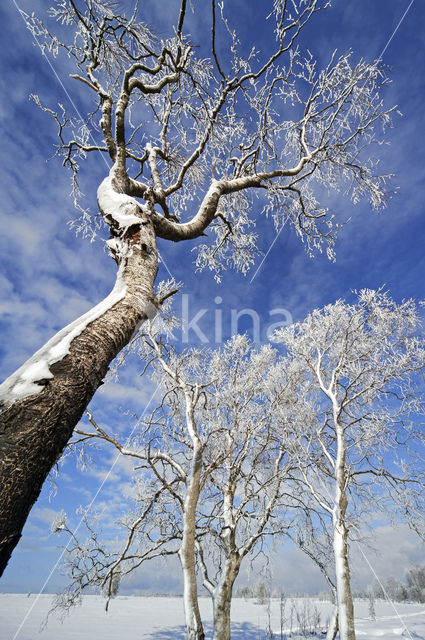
(250, 446)
(194, 135)
(362, 367)
(212, 462)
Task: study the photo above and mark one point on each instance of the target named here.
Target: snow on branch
(200, 136)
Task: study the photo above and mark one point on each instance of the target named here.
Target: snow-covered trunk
(194, 628)
(340, 535)
(44, 400)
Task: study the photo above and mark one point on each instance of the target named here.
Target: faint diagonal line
(267, 253)
(74, 106)
(380, 56)
(46, 582)
(331, 499)
(382, 53)
(165, 265)
(147, 406)
(344, 121)
(395, 30)
(384, 590)
(20, 11)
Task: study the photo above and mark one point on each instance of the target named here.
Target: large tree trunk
(45, 399)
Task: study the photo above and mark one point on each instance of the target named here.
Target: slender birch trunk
(61, 378)
(222, 605)
(340, 534)
(194, 628)
(187, 554)
(223, 598)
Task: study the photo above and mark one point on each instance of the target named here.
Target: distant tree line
(412, 589)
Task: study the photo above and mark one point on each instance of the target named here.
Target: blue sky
(48, 276)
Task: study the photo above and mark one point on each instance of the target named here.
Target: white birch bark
(340, 531)
(197, 126)
(194, 628)
(223, 599)
(365, 358)
(340, 534)
(223, 593)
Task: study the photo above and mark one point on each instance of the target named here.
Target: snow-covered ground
(152, 618)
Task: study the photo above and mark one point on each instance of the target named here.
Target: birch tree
(168, 453)
(251, 492)
(210, 477)
(362, 364)
(192, 143)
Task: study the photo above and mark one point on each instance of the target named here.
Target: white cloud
(395, 550)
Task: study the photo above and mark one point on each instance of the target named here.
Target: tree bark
(345, 599)
(223, 599)
(35, 429)
(222, 605)
(187, 554)
(194, 628)
(340, 535)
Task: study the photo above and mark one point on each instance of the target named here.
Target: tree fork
(35, 430)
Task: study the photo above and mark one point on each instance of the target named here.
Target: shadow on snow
(240, 631)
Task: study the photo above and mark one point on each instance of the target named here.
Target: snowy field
(149, 618)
